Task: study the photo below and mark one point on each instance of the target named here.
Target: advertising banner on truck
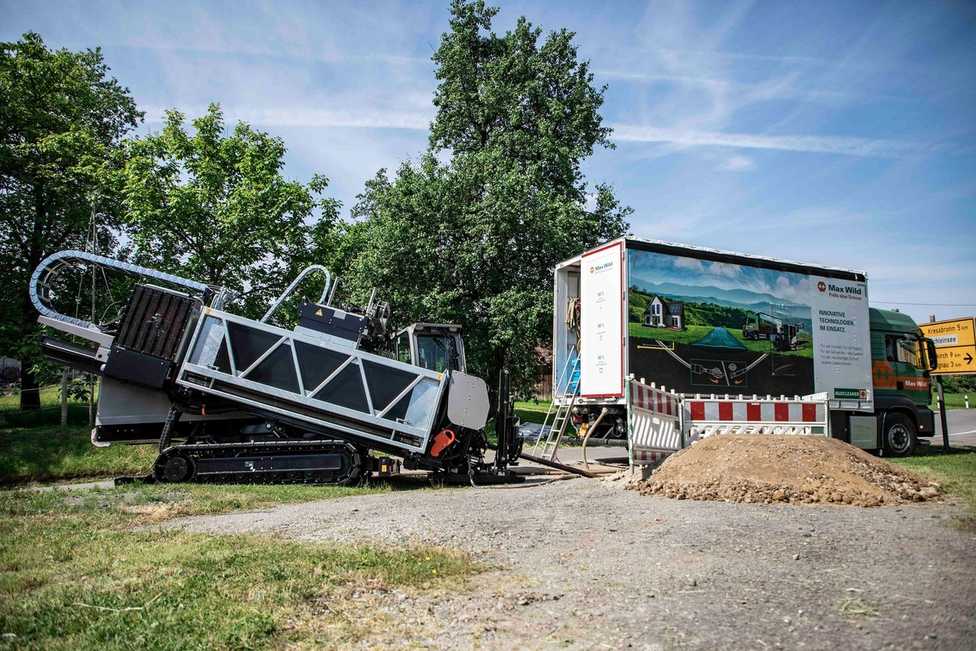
(701, 325)
(602, 323)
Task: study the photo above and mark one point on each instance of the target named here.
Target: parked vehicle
(753, 329)
(901, 358)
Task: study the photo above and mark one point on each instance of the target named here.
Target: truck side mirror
(932, 359)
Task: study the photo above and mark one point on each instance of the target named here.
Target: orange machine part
(442, 439)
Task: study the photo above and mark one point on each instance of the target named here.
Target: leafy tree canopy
(214, 206)
(535, 103)
(473, 240)
(61, 118)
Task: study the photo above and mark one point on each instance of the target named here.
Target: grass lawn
(11, 401)
(75, 573)
(47, 453)
(49, 413)
(530, 411)
(86, 569)
(956, 471)
(50, 397)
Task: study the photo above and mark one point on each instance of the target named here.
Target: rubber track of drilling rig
(272, 462)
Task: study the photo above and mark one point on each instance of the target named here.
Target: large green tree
(61, 118)
(473, 239)
(213, 205)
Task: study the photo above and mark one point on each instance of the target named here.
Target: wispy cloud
(778, 88)
(709, 95)
(356, 118)
(365, 118)
(217, 48)
(742, 56)
(737, 164)
(799, 143)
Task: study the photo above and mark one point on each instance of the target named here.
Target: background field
(954, 400)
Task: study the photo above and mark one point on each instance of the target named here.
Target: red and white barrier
(653, 422)
(654, 400)
(647, 457)
(660, 422)
(714, 415)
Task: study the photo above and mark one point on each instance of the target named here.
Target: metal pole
(942, 414)
(64, 398)
(503, 422)
(94, 314)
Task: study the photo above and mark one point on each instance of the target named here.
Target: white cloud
(354, 117)
(777, 88)
(846, 146)
(298, 116)
(737, 164)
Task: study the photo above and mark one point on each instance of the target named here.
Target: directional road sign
(955, 345)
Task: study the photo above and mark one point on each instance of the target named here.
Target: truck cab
(435, 346)
(901, 360)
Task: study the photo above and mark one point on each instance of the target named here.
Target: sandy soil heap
(796, 469)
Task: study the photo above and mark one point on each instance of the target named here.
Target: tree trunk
(30, 396)
(30, 393)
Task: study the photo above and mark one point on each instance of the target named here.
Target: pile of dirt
(793, 469)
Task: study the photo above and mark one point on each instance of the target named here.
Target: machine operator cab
(434, 346)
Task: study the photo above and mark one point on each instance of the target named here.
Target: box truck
(696, 340)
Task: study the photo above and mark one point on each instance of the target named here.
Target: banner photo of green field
(701, 326)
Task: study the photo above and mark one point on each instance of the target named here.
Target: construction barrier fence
(661, 422)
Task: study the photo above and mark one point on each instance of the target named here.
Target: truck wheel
(899, 438)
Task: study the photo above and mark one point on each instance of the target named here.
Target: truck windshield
(438, 353)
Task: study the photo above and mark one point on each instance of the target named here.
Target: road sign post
(955, 350)
(942, 414)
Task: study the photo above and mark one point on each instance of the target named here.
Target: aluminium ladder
(560, 410)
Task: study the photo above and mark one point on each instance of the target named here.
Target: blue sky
(842, 133)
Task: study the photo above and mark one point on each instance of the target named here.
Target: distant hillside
(740, 298)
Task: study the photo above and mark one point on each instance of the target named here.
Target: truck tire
(899, 437)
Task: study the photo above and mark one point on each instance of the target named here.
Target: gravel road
(586, 564)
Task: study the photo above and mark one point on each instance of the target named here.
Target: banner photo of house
(661, 313)
(709, 326)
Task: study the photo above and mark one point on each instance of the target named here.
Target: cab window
(902, 349)
(403, 348)
(438, 353)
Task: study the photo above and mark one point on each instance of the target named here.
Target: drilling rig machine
(234, 399)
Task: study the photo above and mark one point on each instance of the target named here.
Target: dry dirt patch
(794, 469)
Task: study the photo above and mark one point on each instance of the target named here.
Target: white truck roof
(701, 251)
